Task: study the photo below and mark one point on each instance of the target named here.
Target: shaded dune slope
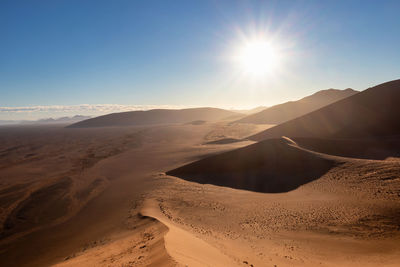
(156, 116)
(271, 166)
(371, 113)
(293, 109)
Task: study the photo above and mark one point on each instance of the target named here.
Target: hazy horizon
(33, 113)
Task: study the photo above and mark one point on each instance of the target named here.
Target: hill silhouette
(156, 116)
(293, 109)
(371, 113)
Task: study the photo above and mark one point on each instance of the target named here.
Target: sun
(258, 57)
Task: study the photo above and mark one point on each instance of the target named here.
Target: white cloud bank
(86, 108)
(39, 112)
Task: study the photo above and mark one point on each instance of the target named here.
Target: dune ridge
(184, 247)
(144, 246)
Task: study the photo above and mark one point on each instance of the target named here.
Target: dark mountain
(73, 119)
(293, 109)
(371, 113)
(156, 116)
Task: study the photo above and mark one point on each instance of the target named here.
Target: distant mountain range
(293, 109)
(62, 120)
(370, 113)
(158, 116)
(258, 115)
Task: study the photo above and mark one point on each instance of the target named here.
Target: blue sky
(65, 52)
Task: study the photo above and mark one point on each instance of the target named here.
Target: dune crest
(184, 247)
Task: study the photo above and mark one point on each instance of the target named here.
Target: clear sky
(179, 53)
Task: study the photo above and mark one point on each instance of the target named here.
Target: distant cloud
(38, 112)
(86, 108)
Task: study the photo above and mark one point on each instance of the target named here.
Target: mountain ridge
(289, 110)
(156, 116)
(370, 113)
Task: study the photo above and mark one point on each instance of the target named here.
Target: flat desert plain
(140, 196)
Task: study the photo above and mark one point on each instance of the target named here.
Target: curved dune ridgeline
(183, 246)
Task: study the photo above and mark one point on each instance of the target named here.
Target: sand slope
(373, 112)
(293, 109)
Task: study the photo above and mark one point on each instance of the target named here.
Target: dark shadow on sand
(225, 141)
(271, 166)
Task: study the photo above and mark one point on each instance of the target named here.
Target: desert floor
(100, 197)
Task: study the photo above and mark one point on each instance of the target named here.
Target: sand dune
(40, 208)
(45, 179)
(270, 166)
(144, 246)
(371, 113)
(184, 247)
(347, 217)
(157, 116)
(280, 113)
(343, 213)
(107, 172)
(323, 199)
(338, 210)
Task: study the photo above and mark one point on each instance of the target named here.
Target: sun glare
(258, 57)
